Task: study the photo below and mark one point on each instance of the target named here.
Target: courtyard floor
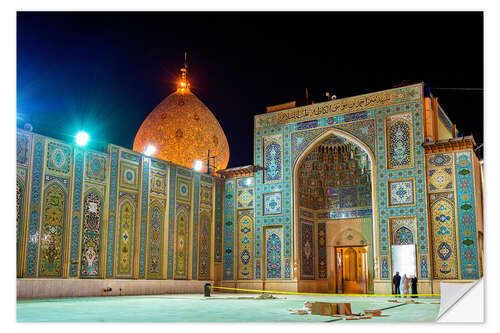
(217, 308)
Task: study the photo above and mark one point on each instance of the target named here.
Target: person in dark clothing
(414, 286)
(396, 280)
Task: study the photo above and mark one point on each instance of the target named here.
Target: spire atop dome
(183, 84)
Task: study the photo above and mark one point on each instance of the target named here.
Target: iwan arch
(336, 190)
(344, 236)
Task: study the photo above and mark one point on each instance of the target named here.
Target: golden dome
(182, 129)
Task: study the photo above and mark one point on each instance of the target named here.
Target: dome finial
(183, 83)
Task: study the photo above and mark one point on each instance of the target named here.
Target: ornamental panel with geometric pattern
(229, 219)
(399, 141)
(52, 231)
(273, 203)
(444, 242)
(466, 215)
(274, 252)
(322, 257)
(306, 250)
(245, 244)
(91, 236)
(125, 242)
(403, 230)
(273, 158)
(204, 244)
(158, 183)
(401, 192)
(181, 240)
(96, 167)
(129, 175)
(155, 246)
(59, 157)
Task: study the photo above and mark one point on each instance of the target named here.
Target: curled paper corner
(462, 302)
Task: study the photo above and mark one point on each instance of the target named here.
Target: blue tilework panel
(273, 158)
(466, 215)
(272, 203)
(229, 212)
(274, 252)
(34, 218)
(195, 225)
(112, 212)
(76, 214)
(144, 217)
(401, 192)
(219, 210)
(171, 220)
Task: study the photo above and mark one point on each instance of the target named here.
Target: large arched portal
(334, 215)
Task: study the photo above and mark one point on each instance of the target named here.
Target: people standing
(396, 280)
(414, 286)
(405, 283)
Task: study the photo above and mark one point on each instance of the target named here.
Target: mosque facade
(341, 195)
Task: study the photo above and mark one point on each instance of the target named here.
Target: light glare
(197, 165)
(82, 138)
(150, 150)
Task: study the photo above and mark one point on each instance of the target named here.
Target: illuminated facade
(336, 190)
(340, 188)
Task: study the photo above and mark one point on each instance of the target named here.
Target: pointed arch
(155, 239)
(374, 188)
(181, 241)
(444, 240)
(403, 236)
(53, 229)
(204, 245)
(273, 252)
(125, 239)
(245, 254)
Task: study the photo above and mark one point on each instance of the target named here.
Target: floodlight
(150, 150)
(82, 138)
(198, 165)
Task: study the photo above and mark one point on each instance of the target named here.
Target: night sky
(105, 72)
